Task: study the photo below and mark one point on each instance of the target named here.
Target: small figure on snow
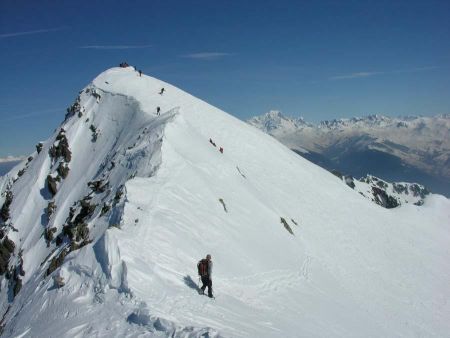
(212, 142)
(162, 91)
(221, 150)
(204, 267)
(158, 109)
(140, 72)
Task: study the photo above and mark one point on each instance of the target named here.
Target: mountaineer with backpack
(204, 267)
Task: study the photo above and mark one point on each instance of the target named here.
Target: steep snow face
(295, 251)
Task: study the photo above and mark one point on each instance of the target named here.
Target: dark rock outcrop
(4, 211)
(418, 190)
(400, 188)
(63, 170)
(49, 235)
(60, 148)
(75, 108)
(17, 285)
(75, 233)
(95, 133)
(105, 208)
(98, 186)
(286, 225)
(39, 147)
(51, 207)
(57, 261)
(223, 204)
(52, 185)
(383, 199)
(21, 172)
(7, 247)
(76, 230)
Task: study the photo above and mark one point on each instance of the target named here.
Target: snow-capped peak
(102, 230)
(274, 121)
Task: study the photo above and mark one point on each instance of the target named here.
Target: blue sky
(316, 59)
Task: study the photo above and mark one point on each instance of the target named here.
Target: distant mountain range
(411, 149)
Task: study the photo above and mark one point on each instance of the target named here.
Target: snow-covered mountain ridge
(120, 203)
(276, 120)
(422, 143)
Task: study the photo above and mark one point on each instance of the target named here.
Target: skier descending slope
(204, 267)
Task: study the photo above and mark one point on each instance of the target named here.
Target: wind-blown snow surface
(351, 268)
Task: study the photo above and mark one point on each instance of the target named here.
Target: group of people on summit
(125, 65)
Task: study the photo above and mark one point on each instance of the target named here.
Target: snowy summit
(102, 228)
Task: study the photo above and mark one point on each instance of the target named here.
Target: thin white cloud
(368, 74)
(11, 159)
(37, 31)
(354, 75)
(115, 46)
(14, 116)
(206, 55)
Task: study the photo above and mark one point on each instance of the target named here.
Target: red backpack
(202, 267)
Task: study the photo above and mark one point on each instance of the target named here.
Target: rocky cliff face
(388, 195)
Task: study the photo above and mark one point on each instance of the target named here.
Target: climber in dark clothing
(140, 72)
(158, 109)
(204, 267)
(162, 91)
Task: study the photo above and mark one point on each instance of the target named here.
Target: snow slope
(296, 252)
